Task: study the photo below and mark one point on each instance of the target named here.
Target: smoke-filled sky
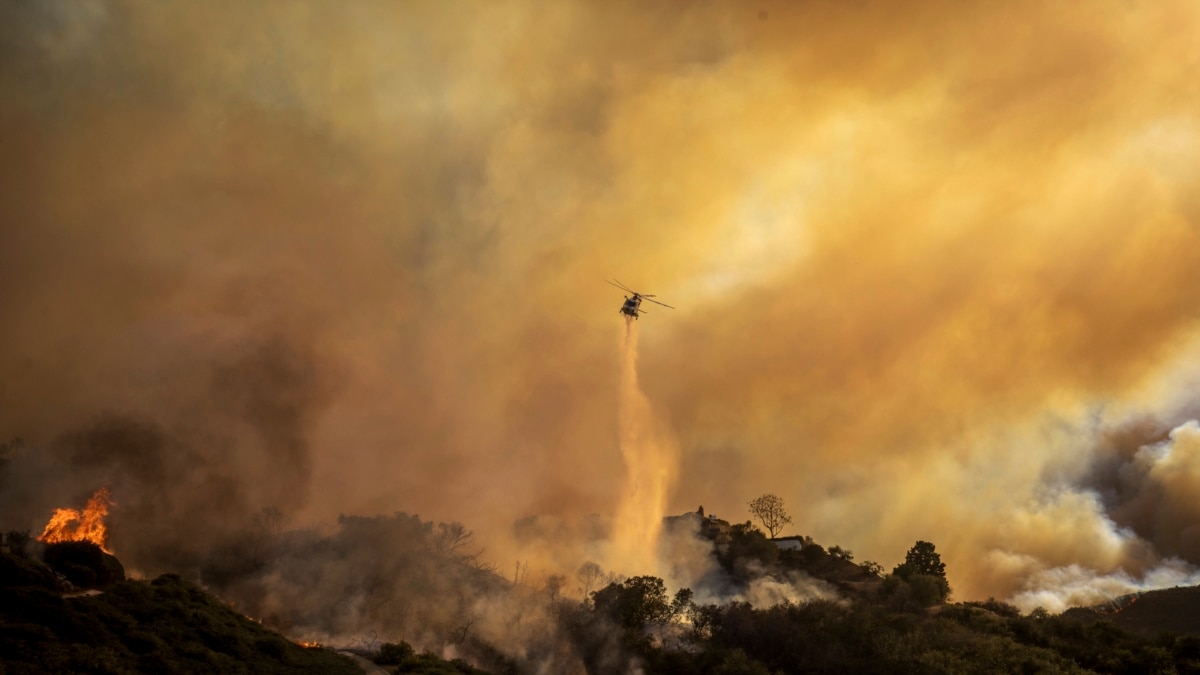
(934, 264)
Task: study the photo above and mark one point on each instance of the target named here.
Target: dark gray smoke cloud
(1144, 478)
(188, 484)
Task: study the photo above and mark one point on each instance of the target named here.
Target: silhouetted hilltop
(744, 552)
(54, 618)
(95, 620)
(1174, 610)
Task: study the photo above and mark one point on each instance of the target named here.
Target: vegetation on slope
(405, 660)
(901, 624)
(898, 622)
(862, 637)
(167, 625)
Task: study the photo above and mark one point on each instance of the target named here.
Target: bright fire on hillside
(74, 525)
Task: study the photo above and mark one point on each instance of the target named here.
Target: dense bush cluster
(83, 564)
(400, 657)
(864, 637)
(899, 624)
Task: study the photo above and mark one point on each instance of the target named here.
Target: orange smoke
(73, 525)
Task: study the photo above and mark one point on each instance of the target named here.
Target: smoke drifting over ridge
(929, 262)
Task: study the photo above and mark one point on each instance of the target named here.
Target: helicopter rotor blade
(646, 297)
(621, 286)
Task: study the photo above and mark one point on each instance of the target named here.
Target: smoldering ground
(914, 250)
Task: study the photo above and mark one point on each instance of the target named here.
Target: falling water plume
(651, 456)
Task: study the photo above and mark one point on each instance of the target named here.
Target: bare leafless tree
(451, 539)
(769, 511)
(554, 586)
(590, 574)
(461, 629)
(269, 521)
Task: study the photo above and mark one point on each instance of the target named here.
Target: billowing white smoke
(1142, 521)
(689, 560)
(1059, 588)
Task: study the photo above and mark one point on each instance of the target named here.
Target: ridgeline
(77, 613)
(67, 608)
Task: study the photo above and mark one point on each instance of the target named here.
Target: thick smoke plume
(190, 485)
(312, 259)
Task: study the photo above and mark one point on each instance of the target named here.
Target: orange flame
(88, 525)
(309, 645)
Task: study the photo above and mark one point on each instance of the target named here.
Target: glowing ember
(309, 645)
(72, 525)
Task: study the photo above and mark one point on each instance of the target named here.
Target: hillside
(1174, 610)
(167, 625)
(76, 612)
(48, 624)
(84, 616)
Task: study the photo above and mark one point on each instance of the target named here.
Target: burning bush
(86, 525)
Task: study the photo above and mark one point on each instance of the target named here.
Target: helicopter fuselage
(632, 305)
(633, 301)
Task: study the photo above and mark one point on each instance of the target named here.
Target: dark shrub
(84, 564)
(17, 571)
(392, 654)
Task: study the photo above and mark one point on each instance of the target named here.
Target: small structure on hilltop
(792, 543)
(707, 526)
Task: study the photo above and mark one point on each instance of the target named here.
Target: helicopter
(633, 304)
